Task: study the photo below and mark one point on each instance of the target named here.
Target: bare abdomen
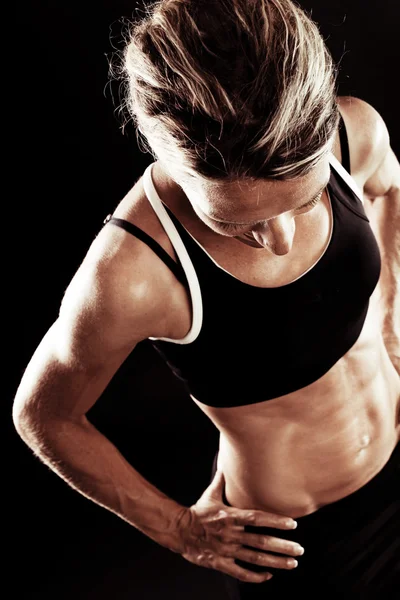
(293, 458)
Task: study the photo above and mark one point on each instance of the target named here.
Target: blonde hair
(230, 89)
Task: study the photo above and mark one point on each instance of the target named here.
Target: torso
(293, 454)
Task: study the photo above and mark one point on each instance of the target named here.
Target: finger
(266, 560)
(269, 543)
(234, 570)
(260, 518)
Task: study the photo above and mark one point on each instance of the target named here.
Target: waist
(294, 469)
(372, 506)
(385, 479)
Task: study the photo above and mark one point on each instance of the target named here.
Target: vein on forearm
(384, 215)
(389, 228)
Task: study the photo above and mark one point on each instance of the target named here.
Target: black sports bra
(249, 344)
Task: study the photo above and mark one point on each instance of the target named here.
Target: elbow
(39, 425)
(37, 430)
(30, 421)
(26, 422)
(19, 414)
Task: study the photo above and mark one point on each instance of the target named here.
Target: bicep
(55, 384)
(374, 164)
(101, 319)
(386, 176)
(374, 157)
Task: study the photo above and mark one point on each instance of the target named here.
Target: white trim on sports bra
(193, 282)
(346, 176)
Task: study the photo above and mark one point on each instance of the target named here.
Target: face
(261, 214)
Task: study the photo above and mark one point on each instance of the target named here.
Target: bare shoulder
(122, 287)
(120, 295)
(367, 134)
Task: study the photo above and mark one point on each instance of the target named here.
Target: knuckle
(201, 559)
(265, 542)
(279, 562)
(235, 519)
(285, 563)
(231, 550)
(220, 520)
(226, 536)
(236, 547)
(223, 514)
(260, 558)
(251, 516)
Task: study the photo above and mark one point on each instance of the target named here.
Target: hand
(213, 536)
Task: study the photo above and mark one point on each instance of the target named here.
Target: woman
(248, 256)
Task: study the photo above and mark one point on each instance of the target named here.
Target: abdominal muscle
(296, 453)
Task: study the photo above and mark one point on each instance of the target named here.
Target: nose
(276, 235)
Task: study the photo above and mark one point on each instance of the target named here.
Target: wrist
(175, 539)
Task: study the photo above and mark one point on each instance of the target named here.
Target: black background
(72, 165)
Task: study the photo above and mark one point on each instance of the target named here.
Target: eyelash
(230, 227)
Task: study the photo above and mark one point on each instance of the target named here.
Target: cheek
(210, 225)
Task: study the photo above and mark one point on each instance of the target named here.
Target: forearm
(386, 212)
(93, 466)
